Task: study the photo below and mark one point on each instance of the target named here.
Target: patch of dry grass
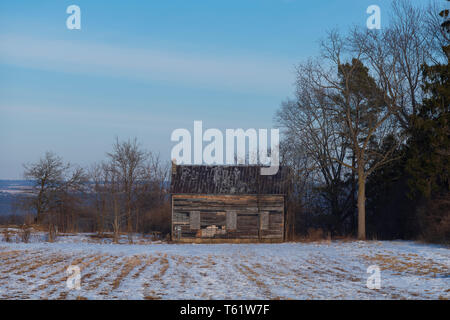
(40, 262)
(128, 266)
(152, 296)
(95, 283)
(253, 276)
(164, 267)
(55, 284)
(148, 262)
(24, 260)
(410, 263)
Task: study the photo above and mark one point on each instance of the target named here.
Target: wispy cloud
(95, 118)
(230, 73)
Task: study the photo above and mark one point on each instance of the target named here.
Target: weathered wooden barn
(227, 204)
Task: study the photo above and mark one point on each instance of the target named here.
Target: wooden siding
(231, 220)
(257, 217)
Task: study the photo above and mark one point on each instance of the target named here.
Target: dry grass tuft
(150, 261)
(129, 265)
(408, 264)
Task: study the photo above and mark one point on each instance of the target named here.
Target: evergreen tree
(428, 161)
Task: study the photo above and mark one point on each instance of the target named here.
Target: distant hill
(9, 190)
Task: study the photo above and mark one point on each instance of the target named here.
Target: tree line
(126, 193)
(367, 132)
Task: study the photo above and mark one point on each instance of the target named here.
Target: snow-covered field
(333, 270)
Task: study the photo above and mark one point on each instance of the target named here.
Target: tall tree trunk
(129, 226)
(116, 222)
(136, 228)
(354, 213)
(361, 206)
(102, 219)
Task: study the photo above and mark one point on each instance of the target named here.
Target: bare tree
(47, 175)
(68, 198)
(112, 180)
(311, 140)
(127, 159)
(363, 105)
(152, 194)
(437, 26)
(99, 176)
(397, 53)
(55, 186)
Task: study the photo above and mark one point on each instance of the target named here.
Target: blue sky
(144, 68)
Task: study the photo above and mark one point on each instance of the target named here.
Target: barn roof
(202, 179)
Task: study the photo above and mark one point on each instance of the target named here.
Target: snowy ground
(334, 270)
